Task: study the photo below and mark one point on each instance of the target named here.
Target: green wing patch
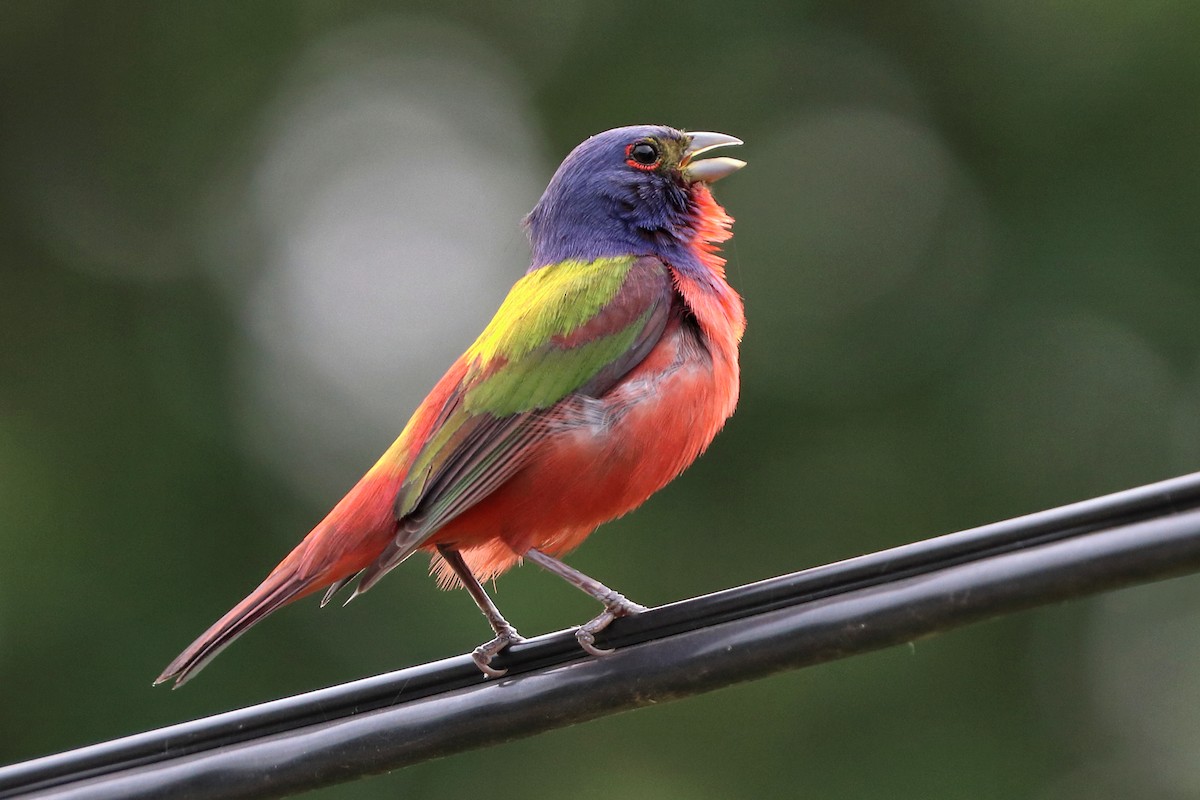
(552, 301)
(564, 328)
(535, 383)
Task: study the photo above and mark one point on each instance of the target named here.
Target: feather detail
(718, 307)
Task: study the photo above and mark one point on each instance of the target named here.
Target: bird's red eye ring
(642, 155)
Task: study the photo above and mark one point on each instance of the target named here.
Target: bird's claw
(615, 605)
(483, 655)
(586, 635)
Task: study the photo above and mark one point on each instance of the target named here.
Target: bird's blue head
(628, 191)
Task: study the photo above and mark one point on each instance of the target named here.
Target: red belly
(606, 458)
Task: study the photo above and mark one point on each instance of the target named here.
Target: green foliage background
(967, 239)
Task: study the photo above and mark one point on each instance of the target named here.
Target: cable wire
(685, 648)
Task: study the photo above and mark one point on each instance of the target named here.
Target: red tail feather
(285, 584)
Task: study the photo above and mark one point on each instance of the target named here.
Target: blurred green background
(239, 241)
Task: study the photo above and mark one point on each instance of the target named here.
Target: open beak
(709, 169)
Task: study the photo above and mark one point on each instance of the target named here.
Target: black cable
(696, 645)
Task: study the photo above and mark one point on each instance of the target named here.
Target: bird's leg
(615, 603)
(506, 634)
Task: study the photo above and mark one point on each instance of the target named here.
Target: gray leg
(615, 604)
(506, 634)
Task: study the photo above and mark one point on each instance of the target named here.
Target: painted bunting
(607, 370)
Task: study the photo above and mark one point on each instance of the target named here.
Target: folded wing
(565, 329)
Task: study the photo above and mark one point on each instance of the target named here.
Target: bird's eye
(642, 155)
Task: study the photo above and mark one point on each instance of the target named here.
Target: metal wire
(854, 606)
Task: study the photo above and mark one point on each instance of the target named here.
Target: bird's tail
(350, 537)
(287, 582)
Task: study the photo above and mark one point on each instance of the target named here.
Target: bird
(607, 370)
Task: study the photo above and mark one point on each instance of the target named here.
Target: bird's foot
(484, 654)
(615, 605)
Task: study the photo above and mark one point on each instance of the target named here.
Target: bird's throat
(711, 227)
